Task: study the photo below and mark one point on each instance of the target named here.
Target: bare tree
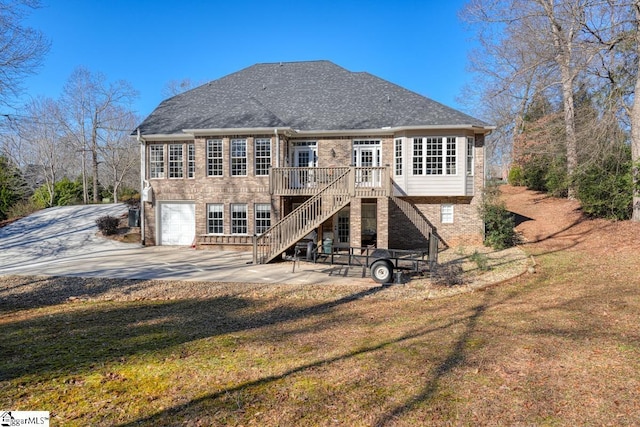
(42, 142)
(119, 152)
(535, 43)
(92, 106)
(635, 120)
(21, 48)
(614, 27)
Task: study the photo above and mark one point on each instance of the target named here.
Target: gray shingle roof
(315, 95)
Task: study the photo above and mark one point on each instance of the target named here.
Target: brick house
(281, 150)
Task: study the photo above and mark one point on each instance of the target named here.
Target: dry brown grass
(557, 347)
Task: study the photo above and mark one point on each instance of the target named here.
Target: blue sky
(420, 45)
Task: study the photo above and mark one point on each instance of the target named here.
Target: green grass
(561, 347)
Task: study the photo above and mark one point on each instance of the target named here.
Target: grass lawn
(558, 347)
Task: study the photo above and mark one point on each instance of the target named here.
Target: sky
(420, 45)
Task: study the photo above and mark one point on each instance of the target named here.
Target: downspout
(143, 170)
(275, 131)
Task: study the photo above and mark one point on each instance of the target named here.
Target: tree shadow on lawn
(452, 359)
(74, 340)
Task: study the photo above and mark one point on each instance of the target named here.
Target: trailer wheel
(382, 271)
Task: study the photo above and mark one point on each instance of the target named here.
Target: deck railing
(366, 181)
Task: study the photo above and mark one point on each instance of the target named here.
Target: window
(417, 156)
(263, 217)
(263, 156)
(238, 157)
(435, 155)
(470, 145)
(451, 156)
(215, 218)
(156, 161)
(214, 157)
(176, 160)
(446, 214)
(398, 157)
(191, 160)
(238, 219)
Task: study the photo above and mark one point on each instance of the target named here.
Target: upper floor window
(191, 160)
(238, 219)
(418, 159)
(214, 157)
(398, 157)
(176, 160)
(434, 156)
(263, 156)
(238, 157)
(262, 217)
(451, 156)
(470, 145)
(156, 161)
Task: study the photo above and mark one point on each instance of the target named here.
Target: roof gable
(315, 95)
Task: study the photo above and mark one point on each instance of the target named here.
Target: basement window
(446, 214)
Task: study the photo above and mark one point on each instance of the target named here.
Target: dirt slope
(549, 223)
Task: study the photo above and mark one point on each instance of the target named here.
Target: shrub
(605, 190)
(515, 176)
(108, 225)
(481, 260)
(65, 193)
(13, 187)
(499, 223)
(22, 209)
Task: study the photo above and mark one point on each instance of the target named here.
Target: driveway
(62, 241)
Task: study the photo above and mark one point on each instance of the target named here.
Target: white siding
(433, 185)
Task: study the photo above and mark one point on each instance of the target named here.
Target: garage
(177, 223)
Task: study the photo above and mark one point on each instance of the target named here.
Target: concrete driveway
(62, 241)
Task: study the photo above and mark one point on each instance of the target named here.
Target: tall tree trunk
(85, 190)
(570, 128)
(94, 158)
(635, 126)
(563, 44)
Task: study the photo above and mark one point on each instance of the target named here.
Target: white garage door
(177, 223)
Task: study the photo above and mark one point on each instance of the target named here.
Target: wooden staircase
(422, 224)
(304, 219)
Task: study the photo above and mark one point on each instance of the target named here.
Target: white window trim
(221, 207)
(157, 148)
(398, 157)
(255, 216)
(447, 213)
(191, 160)
(256, 157)
(180, 163)
(471, 157)
(210, 158)
(246, 218)
(424, 155)
(245, 157)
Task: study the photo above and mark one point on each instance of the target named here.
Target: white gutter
(388, 130)
(189, 134)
